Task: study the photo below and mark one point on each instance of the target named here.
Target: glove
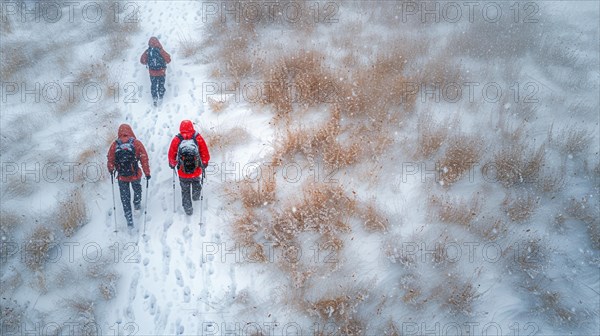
(203, 165)
(172, 167)
(148, 177)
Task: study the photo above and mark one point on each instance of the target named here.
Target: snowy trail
(170, 288)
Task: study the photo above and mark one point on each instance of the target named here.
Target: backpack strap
(119, 142)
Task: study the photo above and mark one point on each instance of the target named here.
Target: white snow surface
(182, 278)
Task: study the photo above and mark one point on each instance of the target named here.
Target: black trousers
(126, 197)
(190, 189)
(157, 86)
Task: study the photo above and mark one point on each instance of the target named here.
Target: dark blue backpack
(155, 59)
(125, 160)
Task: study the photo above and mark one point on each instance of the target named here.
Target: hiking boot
(130, 224)
(189, 211)
(137, 206)
(196, 198)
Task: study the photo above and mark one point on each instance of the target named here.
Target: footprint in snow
(179, 278)
(180, 328)
(187, 234)
(150, 304)
(181, 248)
(167, 224)
(133, 286)
(186, 294)
(191, 268)
(166, 260)
(146, 261)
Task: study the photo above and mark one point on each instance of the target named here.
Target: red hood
(154, 42)
(187, 129)
(125, 132)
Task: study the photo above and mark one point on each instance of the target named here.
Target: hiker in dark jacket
(189, 169)
(126, 166)
(156, 59)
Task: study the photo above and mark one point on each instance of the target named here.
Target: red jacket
(154, 42)
(125, 132)
(186, 129)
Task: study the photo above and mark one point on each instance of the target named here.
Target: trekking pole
(202, 197)
(146, 207)
(174, 202)
(114, 203)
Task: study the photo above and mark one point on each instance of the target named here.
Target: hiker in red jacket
(156, 59)
(189, 153)
(124, 156)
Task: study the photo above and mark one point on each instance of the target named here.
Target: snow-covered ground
(423, 273)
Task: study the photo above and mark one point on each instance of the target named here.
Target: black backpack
(125, 160)
(155, 59)
(188, 154)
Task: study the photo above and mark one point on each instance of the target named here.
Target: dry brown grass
(300, 78)
(72, 213)
(323, 142)
(530, 257)
(257, 194)
(245, 226)
(341, 310)
(431, 135)
(9, 223)
(101, 271)
(217, 106)
(226, 138)
(521, 207)
(11, 315)
(324, 208)
(593, 231)
(15, 57)
(373, 218)
(20, 186)
(456, 209)
(236, 60)
(38, 244)
(588, 213)
(189, 47)
(552, 181)
(572, 139)
(457, 296)
(462, 153)
(491, 228)
(551, 304)
(460, 298)
(515, 165)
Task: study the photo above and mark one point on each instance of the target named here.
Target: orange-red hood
(125, 132)
(154, 42)
(186, 128)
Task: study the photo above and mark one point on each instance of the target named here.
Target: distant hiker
(123, 157)
(189, 153)
(156, 59)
